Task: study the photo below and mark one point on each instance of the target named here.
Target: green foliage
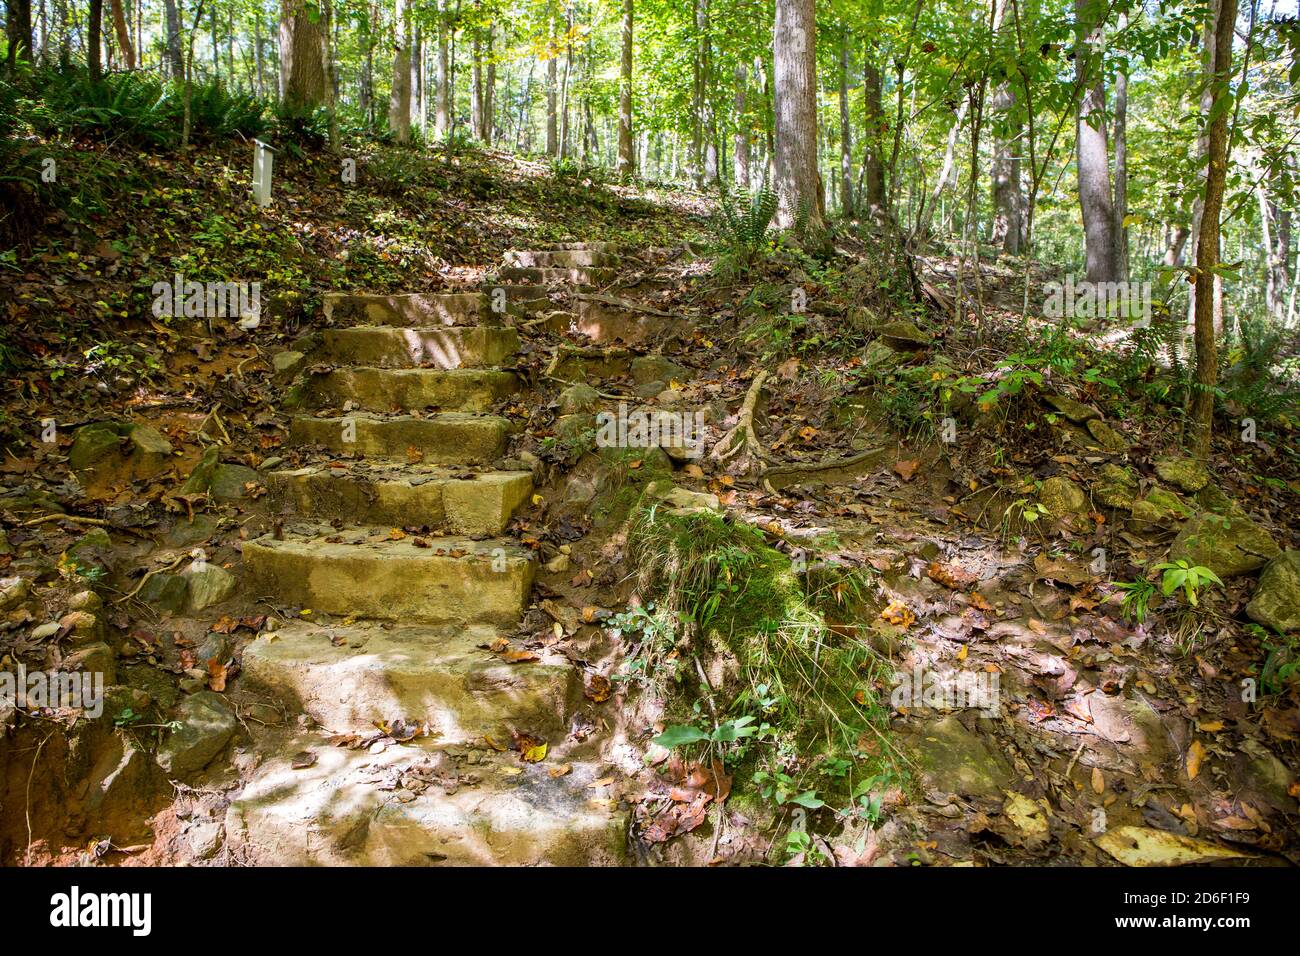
(1138, 595)
(1182, 574)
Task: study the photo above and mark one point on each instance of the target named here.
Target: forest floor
(1112, 740)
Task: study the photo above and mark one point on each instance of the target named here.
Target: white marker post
(263, 160)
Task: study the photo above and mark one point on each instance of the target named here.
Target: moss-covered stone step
(419, 310)
(368, 573)
(347, 678)
(475, 346)
(581, 275)
(334, 811)
(559, 258)
(412, 389)
(449, 438)
(402, 495)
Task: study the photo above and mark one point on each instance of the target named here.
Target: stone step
(579, 275)
(613, 248)
(347, 678)
(416, 310)
(465, 346)
(334, 812)
(558, 258)
(449, 438)
(365, 573)
(412, 389)
(403, 495)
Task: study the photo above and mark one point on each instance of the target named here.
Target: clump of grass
(732, 591)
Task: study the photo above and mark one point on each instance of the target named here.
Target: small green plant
(1182, 574)
(782, 790)
(1138, 595)
(727, 732)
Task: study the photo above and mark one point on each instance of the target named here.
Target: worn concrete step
(613, 248)
(559, 258)
(403, 495)
(416, 310)
(466, 346)
(347, 678)
(367, 573)
(580, 275)
(351, 807)
(449, 438)
(412, 389)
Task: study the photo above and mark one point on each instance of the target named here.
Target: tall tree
(18, 31)
(399, 102)
(442, 104)
(1092, 155)
(873, 155)
(172, 24)
(1207, 241)
(302, 55)
(123, 33)
(846, 143)
(626, 156)
(794, 56)
(741, 146)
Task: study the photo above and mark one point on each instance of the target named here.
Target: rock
(558, 564)
(94, 659)
(1212, 498)
(205, 839)
(649, 389)
(116, 452)
(83, 627)
(1160, 508)
(186, 533)
(1076, 412)
(164, 593)
(13, 592)
(207, 584)
(1185, 473)
(86, 601)
(878, 355)
(285, 365)
(903, 336)
(669, 396)
(42, 631)
(953, 760)
(93, 551)
(206, 726)
(1107, 437)
(215, 646)
(577, 399)
(232, 482)
(681, 500)
(1276, 603)
(1117, 488)
(577, 433)
(1227, 546)
(657, 368)
(1061, 497)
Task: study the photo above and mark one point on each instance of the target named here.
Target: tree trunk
(873, 160)
(1093, 154)
(1008, 200)
(846, 144)
(490, 91)
(94, 39)
(18, 31)
(626, 158)
(302, 64)
(442, 104)
(399, 101)
(740, 148)
(1121, 160)
(476, 80)
(172, 20)
(798, 185)
(119, 27)
(1207, 242)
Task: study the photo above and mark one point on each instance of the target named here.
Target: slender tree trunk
(94, 39)
(846, 142)
(442, 104)
(302, 65)
(873, 158)
(1121, 160)
(18, 31)
(1207, 244)
(119, 27)
(798, 185)
(399, 101)
(476, 79)
(1008, 199)
(172, 23)
(552, 90)
(1092, 153)
(626, 157)
(740, 148)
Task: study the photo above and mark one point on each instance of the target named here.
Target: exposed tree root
(741, 440)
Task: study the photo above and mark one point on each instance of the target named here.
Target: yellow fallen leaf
(1195, 754)
(1098, 781)
(1209, 726)
(602, 782)
(535, 754)
(561, 770)
(961, 654)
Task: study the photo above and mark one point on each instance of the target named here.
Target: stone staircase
(397, 425)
